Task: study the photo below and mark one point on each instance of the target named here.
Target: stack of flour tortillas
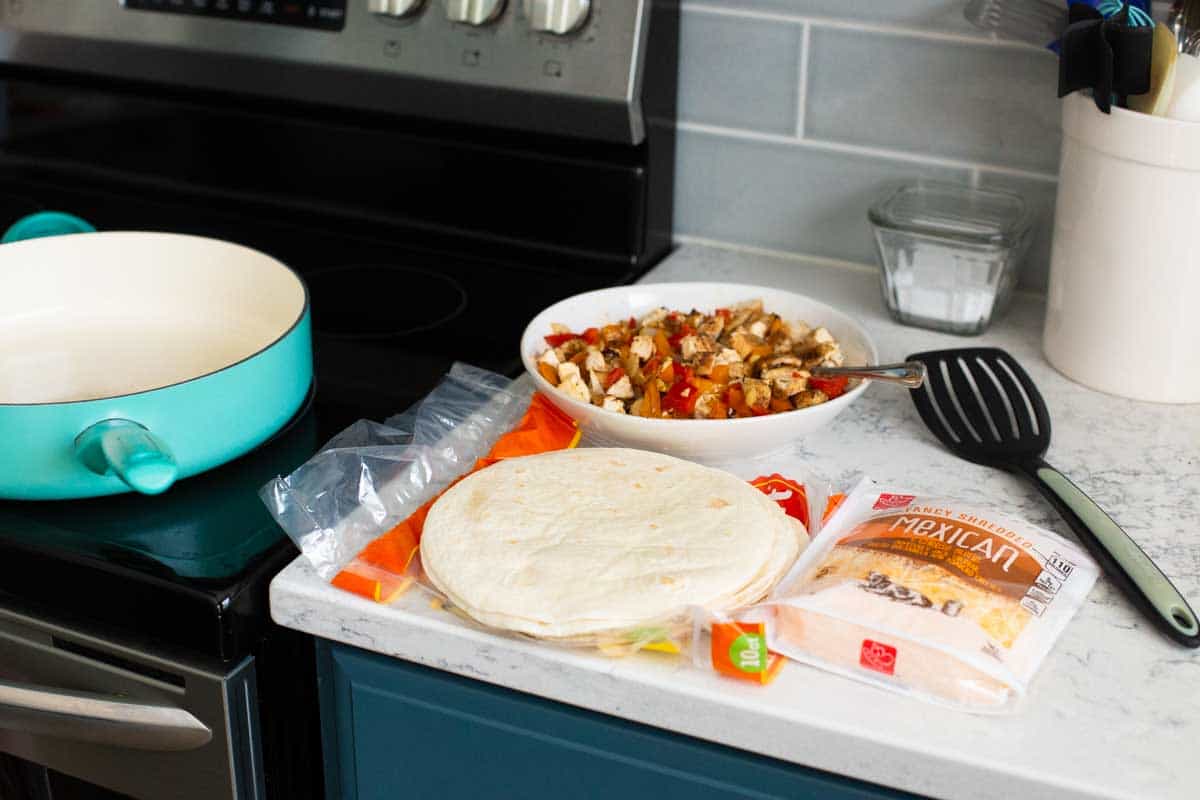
(578, 543)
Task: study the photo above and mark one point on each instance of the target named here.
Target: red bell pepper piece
(681, 398)
(613, 376)
(685, 330)
(559, 339)
(591, 335)
(832, 387)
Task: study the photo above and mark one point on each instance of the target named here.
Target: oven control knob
(394, 8)
(557, 16)
(473, 12)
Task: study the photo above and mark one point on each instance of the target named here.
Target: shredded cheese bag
(933, 597)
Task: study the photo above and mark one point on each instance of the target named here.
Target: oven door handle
(26, 708)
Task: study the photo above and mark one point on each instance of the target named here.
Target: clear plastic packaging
(931, 597)
(372, 476)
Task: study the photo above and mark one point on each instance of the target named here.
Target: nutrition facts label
(1047, 584)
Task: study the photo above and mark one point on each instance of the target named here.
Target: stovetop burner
(364, 301)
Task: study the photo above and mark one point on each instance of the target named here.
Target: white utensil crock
(1121, 315)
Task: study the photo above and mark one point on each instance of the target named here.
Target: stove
(437, 172)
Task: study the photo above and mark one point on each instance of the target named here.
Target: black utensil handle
(1123, 561)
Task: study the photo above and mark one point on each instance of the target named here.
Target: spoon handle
(910, 373)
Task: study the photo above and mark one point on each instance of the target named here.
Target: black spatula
(984, 408)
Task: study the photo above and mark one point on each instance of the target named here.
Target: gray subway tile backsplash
(740, 72)
(783, 196)
(931, 15)
(982, 103)
(893, 89)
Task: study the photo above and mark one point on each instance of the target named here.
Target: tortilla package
(933, 597)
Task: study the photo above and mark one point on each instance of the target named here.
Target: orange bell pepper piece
(779, 405)
(651, 401)
(661, 346)
(736, 398)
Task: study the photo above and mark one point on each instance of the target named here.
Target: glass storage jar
(950, 254)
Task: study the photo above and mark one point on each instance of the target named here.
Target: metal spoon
(910, 373)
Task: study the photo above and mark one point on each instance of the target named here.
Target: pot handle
(129, 451)
(46, 223)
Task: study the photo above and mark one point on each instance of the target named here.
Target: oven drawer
(123, 720)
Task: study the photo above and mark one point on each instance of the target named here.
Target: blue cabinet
(394, 730)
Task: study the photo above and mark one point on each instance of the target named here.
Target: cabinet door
(395, 730)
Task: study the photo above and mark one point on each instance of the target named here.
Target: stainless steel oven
(119, 718)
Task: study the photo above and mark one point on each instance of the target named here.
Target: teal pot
(131, 360)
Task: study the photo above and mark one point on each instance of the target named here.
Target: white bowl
(705, 440)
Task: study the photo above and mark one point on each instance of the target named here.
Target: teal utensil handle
(131, 452)
(1123, 561)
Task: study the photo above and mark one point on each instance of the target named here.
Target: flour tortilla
(576, 542)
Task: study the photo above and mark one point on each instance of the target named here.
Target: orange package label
(790, 495)
(990, 559)
(739, 650)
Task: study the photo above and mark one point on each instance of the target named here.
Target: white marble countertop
(1115, 710)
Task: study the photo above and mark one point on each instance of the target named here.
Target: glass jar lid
(952, 211)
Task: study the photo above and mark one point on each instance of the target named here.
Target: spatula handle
(1123, 561)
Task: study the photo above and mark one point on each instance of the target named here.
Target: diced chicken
(654, 317)
(622, 389)
(727, 356)
(743, 342)
(704, 404)
(594, 383)
(711, 327)
(635, 408)
(823, 354)
(642, 347)
(595, 360)
(780, 342)
(758, 328)
(704, 364)
(571, 382)
(571, 348)
(782, 361)
(786, 381)
(821, 336)
(834, 358)
(613, 404)
(694, 346)
(550, 357)
(743, 312)
(738, 370)
(797, 330)
(758, 392)
(810, 397)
